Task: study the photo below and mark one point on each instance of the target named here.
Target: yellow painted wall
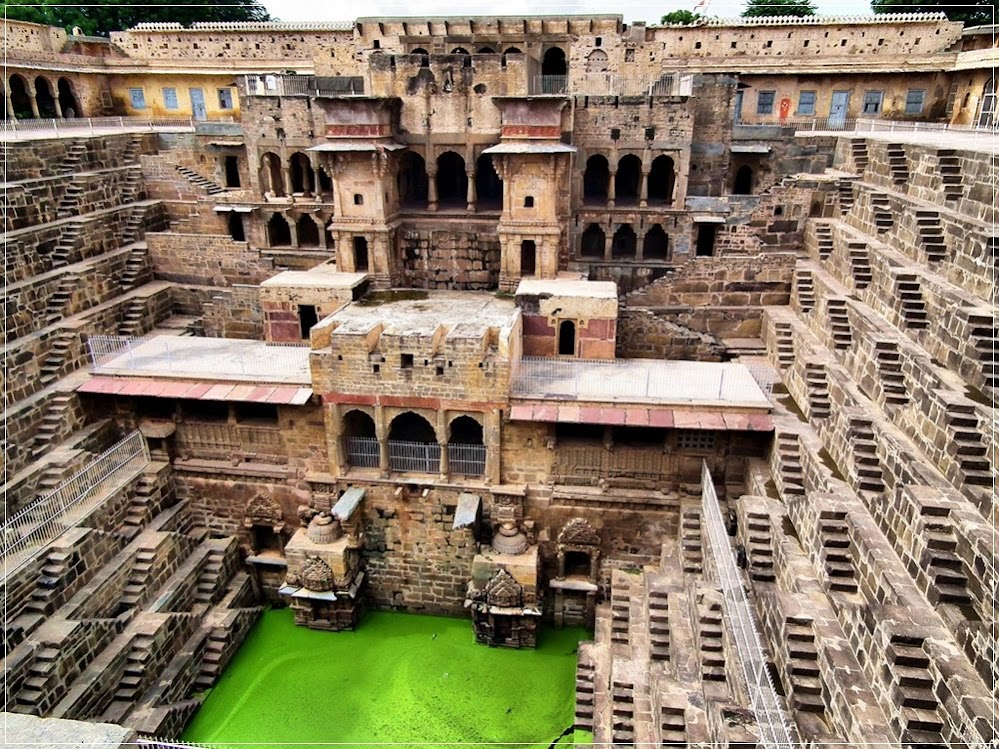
(154, 83)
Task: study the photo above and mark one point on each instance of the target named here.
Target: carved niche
(502, 590)
(316, 575)
(263, 510)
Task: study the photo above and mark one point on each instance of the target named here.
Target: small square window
(378, 43)
(765, 102)
(170, 99)
(138, 97)
(914, 101)
(439, 370)
(225, 98)
(529, 201)
(358, 199)
(629, 55)
(695, 439)
(615, 133)
(406, 361)
(806, 102)
(872, 102)
(697, 45)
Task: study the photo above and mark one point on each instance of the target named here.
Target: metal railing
(414, 457)
(86, 125)
(362, 452)
(41, 522)
(195, 357)
(549, 84)
(863, 125)
(467, 460)
(634, 380)
(775, 731)
(303, 85)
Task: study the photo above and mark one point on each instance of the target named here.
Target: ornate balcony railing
(218, 441)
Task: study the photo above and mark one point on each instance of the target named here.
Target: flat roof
(315, 278)
(567, 287)
(208, 359)
(409, 313)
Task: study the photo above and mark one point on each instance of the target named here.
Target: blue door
(837, 110)
(198, 104)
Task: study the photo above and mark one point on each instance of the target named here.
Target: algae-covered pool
(399, 678)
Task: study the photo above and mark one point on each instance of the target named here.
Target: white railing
(634, 380)
(414, 457)
(765, 376)
(87, 125)
(43, 521)
(467, 460)
(611, 84)
(227, 358)
(775, 730)
(303, 85)
(861, 125)
(362, 452)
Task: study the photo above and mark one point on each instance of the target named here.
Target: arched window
(411, 427)
(488, 185)
(465, 431)
(67, 99)
(554, 63)
(486, 51)
(412, 181)
(236, 229)
(303, 178)
(596, 61)
(308, 232)
(743, 181)
(595, 179)
(424, 56)
(452, 182)
(567, 338)
(463, 53)
(593, 242)
(413, 444)
(628, 180)
(625, 242)
(44, 98)
(528, 257)
(360, 440)
(512, 51)
(465, 448)
(270, 174)
(19, 98)
(662, 176)
(278, 231)
(655, 246)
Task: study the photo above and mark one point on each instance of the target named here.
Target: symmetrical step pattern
(74, 158)
(845, 189)
(803, 666)
(68, 236)
(711, 640)
(837, 557)
(134, 267)
(791, 473)
(817, 386)
(966, 444)
(623, 712)
(672, 726)
(55, 309)
(823, 233)
(584, 695)
(132, 317)
(897, 163)
(69, 203)
(212, 188)
(59, 353)
(884, 217)
(690, 540)
(760, 549)
(785, 344)
(860, 264)
(858, 151)
(984, 335)
(805, 287)
(908, 291)
(839, 322)
(912, 688)
(949, 168)
(659, 625)
(947, 572)
(931, 236)
(889, 364)
(56, 414)
(866, 462)
(620, 615)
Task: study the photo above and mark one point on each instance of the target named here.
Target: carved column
(432, 188)
(292, 229)
(8, 101)
(381, 431)
(610, 188)
(643, 193)
(640, 244)
(492, 440)
(470, 193)
(34, 103)
(286, 177)
(609, 244)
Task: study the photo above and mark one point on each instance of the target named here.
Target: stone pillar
(609, 244)
(34, 103)
(9, 102)
(292, 229)
(445, 463)
(381, 431)
(610, 188)
(432, 189)
(492, 440)
(58, 106)
(471, 197)
(640, 244)
(338, 450)
(643, 194)
(286, 177)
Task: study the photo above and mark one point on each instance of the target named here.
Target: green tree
(116, 15)
(977, 14)
(756, 8)
(681, 17)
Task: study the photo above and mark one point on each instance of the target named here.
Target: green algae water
(399, 678)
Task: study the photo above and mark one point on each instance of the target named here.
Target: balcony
(611, 84)
(223, 441)
(303, 85)
(417, 457)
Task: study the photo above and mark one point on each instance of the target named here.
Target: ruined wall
(644, 334)
(208, 260)
(450, 258)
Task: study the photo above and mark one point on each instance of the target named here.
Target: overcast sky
(632, 10)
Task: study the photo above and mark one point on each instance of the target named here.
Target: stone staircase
(63, 249)
(131, 188)
(860, 264)
(29, 698)
(212, 188)
(884, 218)
(784, 344)
(949, 168)
(135, 266)
(910, 294)
(131, 682)
(672, 726)
(620, 615)
(839, 323)
(858, 152)
(140, 507)
(866, 462)
(802, 666)
(45, 595)
(59, 353)
(584, 694)
(690, 542)
(758, 542)
(837, 558)
(804, 285)
(55, 307)
(946, 571)
(212, 578)
(133, 317)
(966, 444)
(789, 457)
(710, 639)
(131, 151)
(889, 364)
(898, 164)
(983, 333)
(69, 203)
(623, 712)
(56, 415)
(931, 236)
(845, 189)
(74, 157)
(134, 225)
(823, 233)
(817, 386)
(912, 689)
(659, 635)
(138, 578)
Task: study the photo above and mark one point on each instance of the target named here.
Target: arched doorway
(412, 181)
(303, 178)
(528, 257)
(488, 185)
(308, 232)
(466, 61)
(67, 99)
(452, 182)
(465, 448)
(655, 246)
(413, 444)
(593, 242)
(360, 440)
(553, 63)
(44, 98)
(595, 179)
(628, 180)
(278, 231)
(743, 181)
(19, 98)
(662, 176)
(567, 338)
(423, 55)
(270, 174)
(625, 242)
